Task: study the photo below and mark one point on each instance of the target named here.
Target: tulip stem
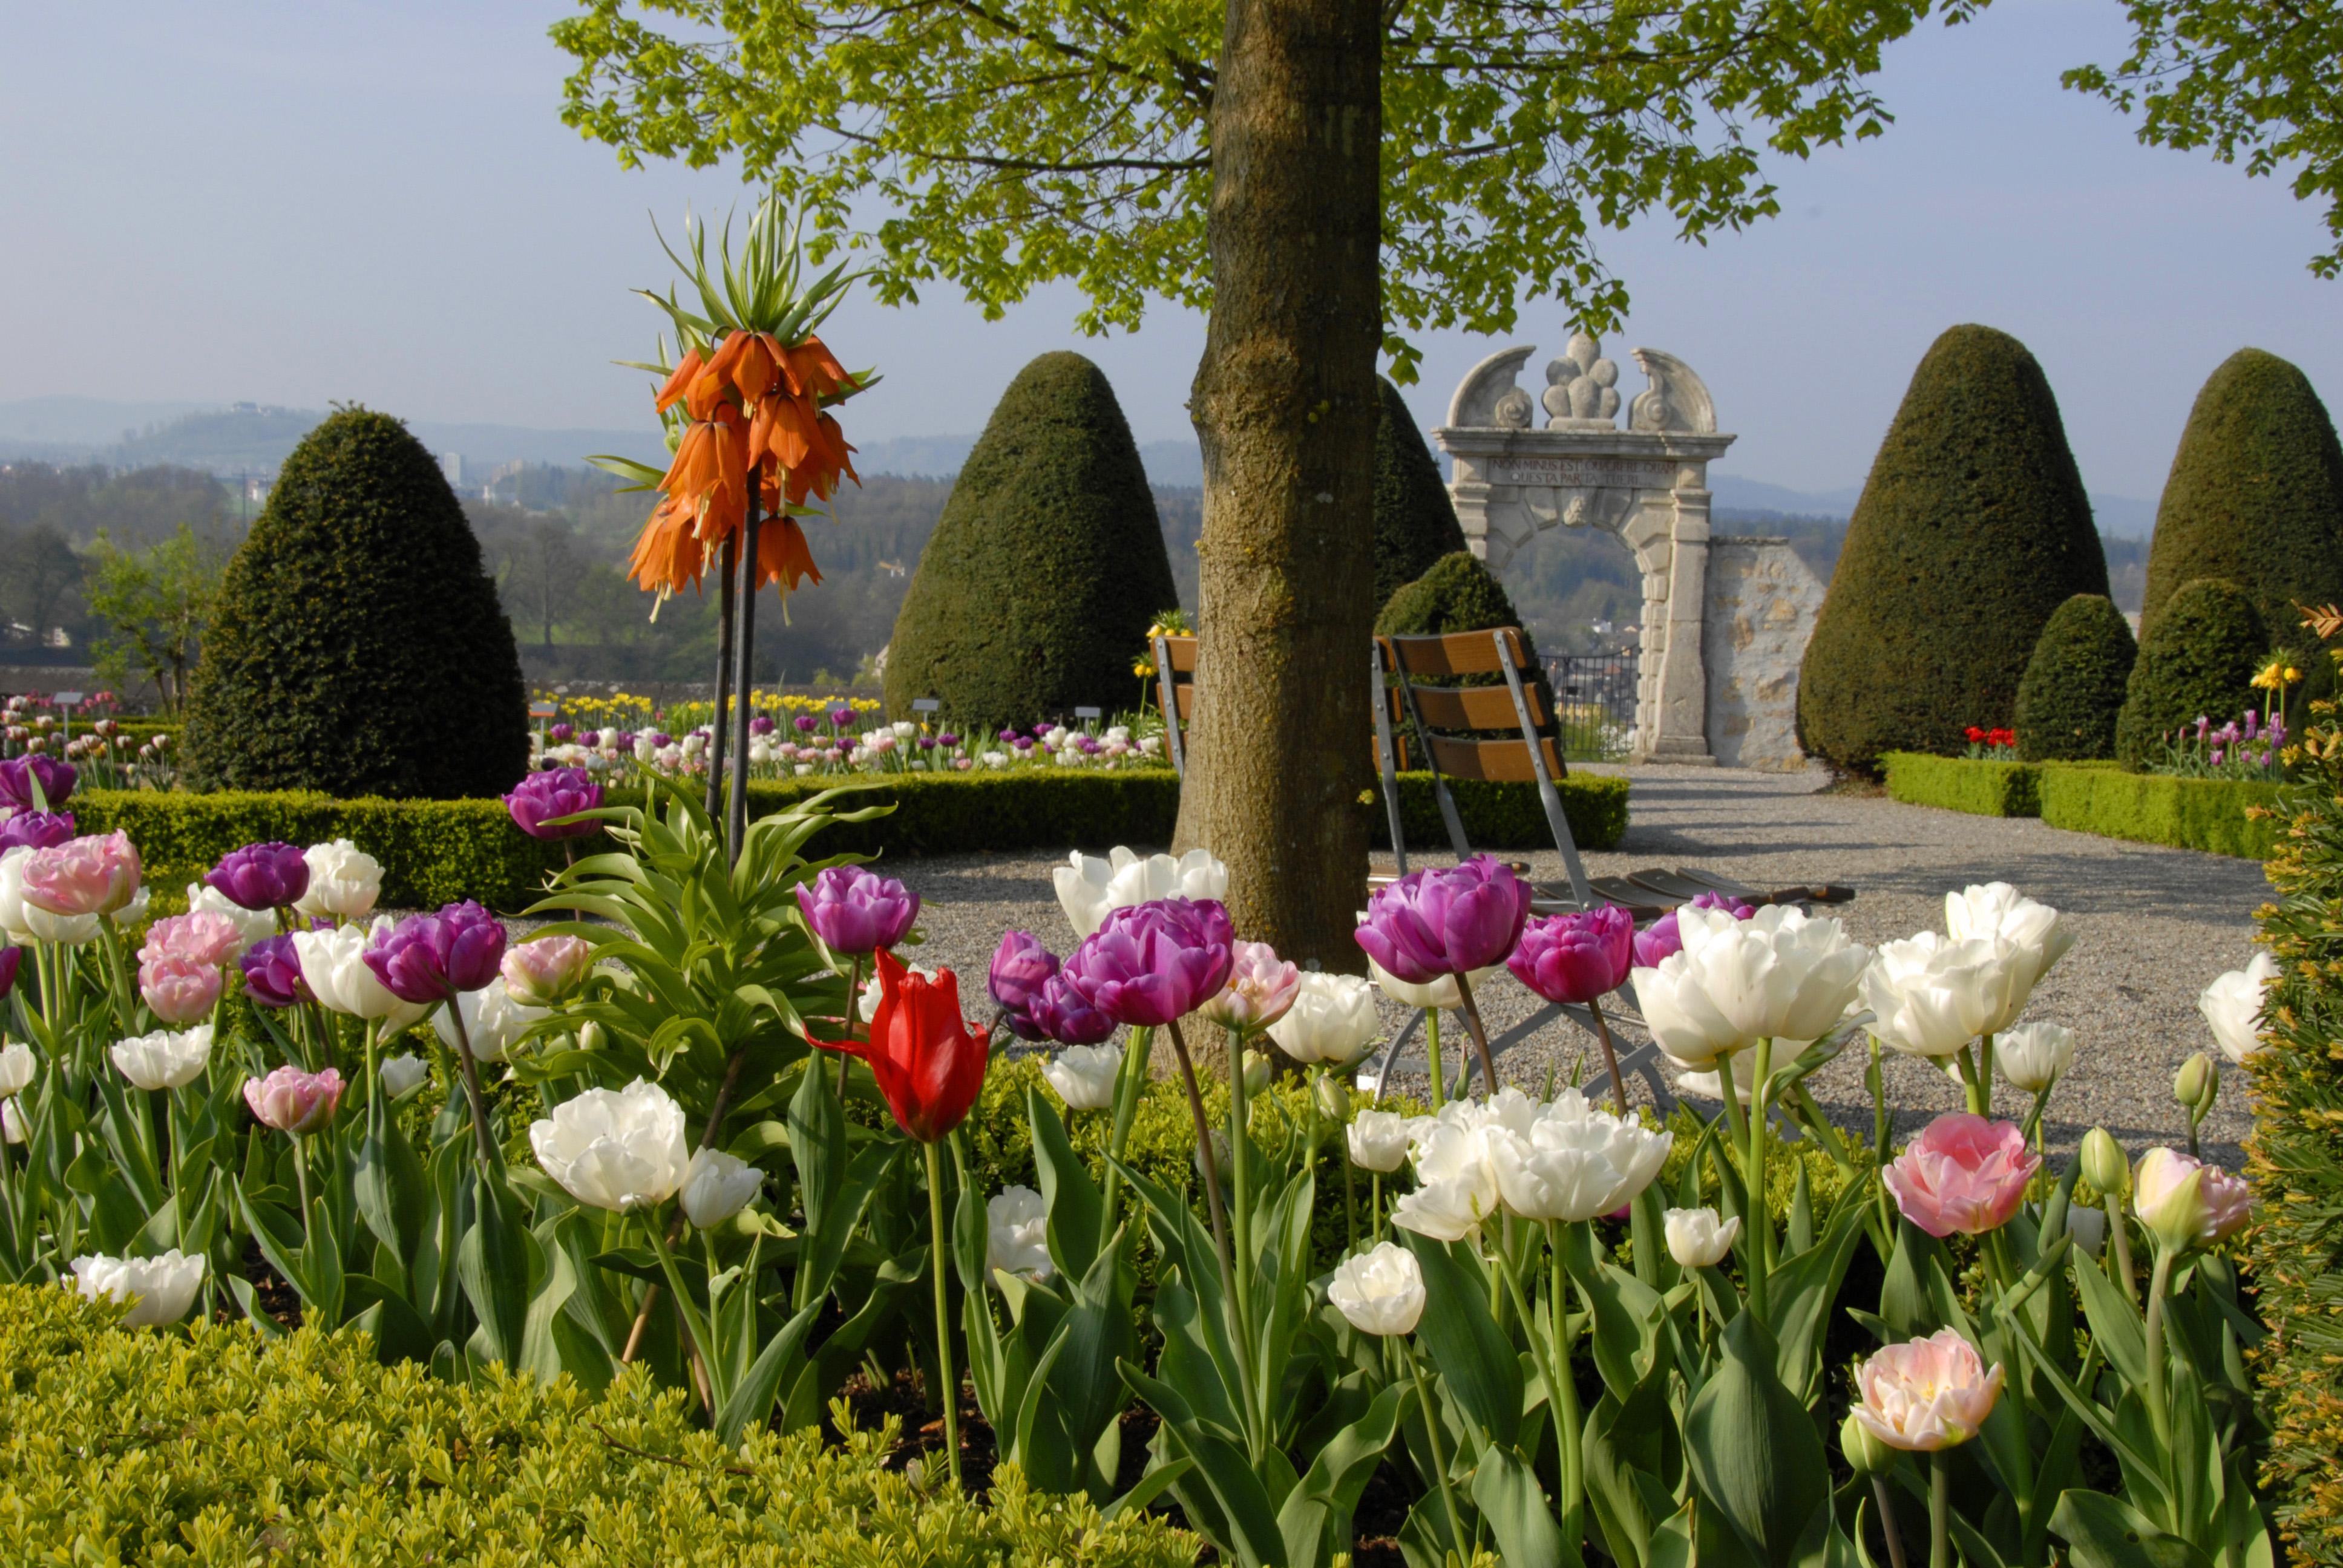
(1241, 1201)
(1432, 1434)
(473, 1094)
(744, 646)
(695, 1329)
(943, 1313)
(853, 1017)
(674, 1228)
(1204, 1154)
(1472, 1010)
(1564, 1390)
(1885, 1496)
(1542, 1349)
(1432, 1055)
(1761, 1212)
(1128, 1087)
(1940, 1510)
(1610, 1055)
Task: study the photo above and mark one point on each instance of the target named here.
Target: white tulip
(2232, 1005)
(167, 1058)
(1084, 1075)
(333, 967)
(1458, 1186)
(1710, 1085)
(1576, 1162)
(1696, 1240)
(403, 1072)
(1333, 1020)
(1930, 996)
(615, 1148)
(251, 925)
(133, 913)
(1017, 1234)
(717, 1186)
(866, 1006)
(19, 1066)
(1683, 1021)
(645, 751)
(12, 1120)
(344, 882)
(2032, 1055)
(606, 737)
(161, 1289)
(1440, 993)
(1379, 1141)
(2034, 936)
(492, 1020)
(1088, 887)
(904, 729)
(1779, 974)
(1378, 1292)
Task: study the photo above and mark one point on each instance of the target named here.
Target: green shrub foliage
(2255, 496)
(1037, 588)
(1972, 529)
(220, 1446)
(2075, 683)
(2197, 660)
(358, 648)
(1415, 523)
(1459, 593)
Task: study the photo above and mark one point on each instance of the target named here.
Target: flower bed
(2208, 814)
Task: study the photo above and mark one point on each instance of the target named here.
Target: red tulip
(929, 1062)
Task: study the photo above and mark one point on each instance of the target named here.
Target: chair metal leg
(1556, 821)
(1380, 698)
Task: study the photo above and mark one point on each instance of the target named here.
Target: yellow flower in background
(2276, 676)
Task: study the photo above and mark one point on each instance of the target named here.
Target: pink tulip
(204, 937)
(1261, 988)
(1926, 1394)
(2188, 1204)
(178, 990)
(1962, 1173)
(95, 874)
(542, 972)
(295, 1101)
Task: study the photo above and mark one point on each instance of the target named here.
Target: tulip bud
(1334, 1099)
(2105, 1165)
(2198, 1084)
(1256, 1072)
(589, 1036)
(1865, 1455)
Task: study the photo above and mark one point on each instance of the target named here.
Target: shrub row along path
(2153, 926)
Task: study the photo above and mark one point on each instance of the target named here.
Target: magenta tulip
(18, 775)
(1963, 1174)
(431, 958)
(1445, 921)
(11, 960)
(272, 972)
(858, 912)
(270, 875)
(539, 797)
(1575, 958)
(1021, 966)
(34, 829)
(1151, 963)
(1060, 1014)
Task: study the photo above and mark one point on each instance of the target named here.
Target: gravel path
(2154, 926)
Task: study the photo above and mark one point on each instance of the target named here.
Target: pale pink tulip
(295, 1101)
(1926, 1394)
(1262, 987)
(542, 972)
(2186, 1202)
(206, 937)
(178, 990)
(1962, 1174)
(95, 874)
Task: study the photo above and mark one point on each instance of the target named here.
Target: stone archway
(1517, 474)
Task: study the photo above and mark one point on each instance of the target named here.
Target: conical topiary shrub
(1459, 593)
(358, 645)
(1973, 528)
(1415, 522)
(1036, 589)
(2076, 682)
(2255, 497)
(2197, 660)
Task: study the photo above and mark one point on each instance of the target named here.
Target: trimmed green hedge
(220, 1446)
(435, 851)
(2208, 814)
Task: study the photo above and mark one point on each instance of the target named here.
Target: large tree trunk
(1285, 406)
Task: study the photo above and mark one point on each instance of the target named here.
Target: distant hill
(2123, 517)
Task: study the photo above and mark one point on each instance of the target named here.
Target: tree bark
(1284, 405)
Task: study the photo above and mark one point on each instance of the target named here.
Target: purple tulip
(539, 797)
(762, 724)
(1060, 1014)
(626, 741)
(272, 972)
(662, 739)
(1445, 921)
(1661, 939)
(806, 723)
(562, 732)
(11, 960)
(2216, 757)
(35, 829)
(19, 774)
(1021, 966)
(840, 717)
(947, 738)
(1152, 962)
(431, 958)
(271, 876)
(1575, 958)
(857, 913)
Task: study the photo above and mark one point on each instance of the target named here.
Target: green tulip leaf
(1754, 1453)
(2103, 1532)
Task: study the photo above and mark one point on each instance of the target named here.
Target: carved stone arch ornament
(1721, 634)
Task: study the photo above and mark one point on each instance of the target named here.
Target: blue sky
(296, 203)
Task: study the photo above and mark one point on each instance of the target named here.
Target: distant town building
(452, 464)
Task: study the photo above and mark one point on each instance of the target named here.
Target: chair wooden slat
(1182, 651)
(1458, 653)
(1476, 706)
(1184, 697)
(1499, 761)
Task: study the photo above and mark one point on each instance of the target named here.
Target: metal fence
(1597, 695)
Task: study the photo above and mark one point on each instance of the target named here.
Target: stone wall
(1762, 603)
